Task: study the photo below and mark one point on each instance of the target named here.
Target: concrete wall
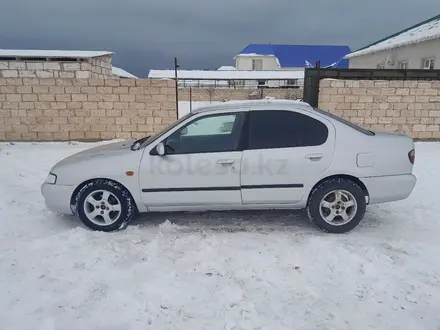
(410, 107)
(83, 109)
(97, 67)
(412, 53)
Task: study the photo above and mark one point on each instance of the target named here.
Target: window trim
(292, 82)
(431, 59)
(249, 129)
(402, 62)
(241, 137)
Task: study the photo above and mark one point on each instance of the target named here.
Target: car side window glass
(212, 133)
(211, 125)
(285, 129)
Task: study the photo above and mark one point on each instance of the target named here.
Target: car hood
(109, 149)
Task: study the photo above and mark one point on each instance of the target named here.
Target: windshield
(346, 122)
(148, 139)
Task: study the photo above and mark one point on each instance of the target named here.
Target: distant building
(261, 57)
(263, 66)
(121, 73)
(232, 78)
(416, 47)
(25, 63)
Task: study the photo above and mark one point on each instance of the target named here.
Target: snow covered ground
(253, 270)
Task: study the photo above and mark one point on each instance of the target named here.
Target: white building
(417, 47)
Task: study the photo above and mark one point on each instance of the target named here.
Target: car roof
(247, 105)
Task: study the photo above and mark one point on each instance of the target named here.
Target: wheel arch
(73, 205)
(344, 176)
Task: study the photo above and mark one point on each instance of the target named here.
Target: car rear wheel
(105, 205)
(336, 205)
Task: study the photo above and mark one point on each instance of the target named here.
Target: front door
(201, 166)
(288, 150)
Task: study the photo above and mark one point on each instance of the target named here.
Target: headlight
(51, 179)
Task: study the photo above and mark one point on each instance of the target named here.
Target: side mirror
(160, 149)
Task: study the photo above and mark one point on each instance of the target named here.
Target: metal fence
(241, 83)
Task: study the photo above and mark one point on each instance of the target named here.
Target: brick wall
(97, 67)
(95, 109)
(411, 107)
(83, 109)
(220, 94)
(101, 67)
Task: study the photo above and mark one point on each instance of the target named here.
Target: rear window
(346, 122)
(271, 129)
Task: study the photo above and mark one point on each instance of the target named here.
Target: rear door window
(285, 129)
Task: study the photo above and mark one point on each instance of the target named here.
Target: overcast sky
(202, 34)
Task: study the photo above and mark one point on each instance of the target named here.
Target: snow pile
(252, 270)
(424, 32)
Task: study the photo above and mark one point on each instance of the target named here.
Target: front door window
(212, 133)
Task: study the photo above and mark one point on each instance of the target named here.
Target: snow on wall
(428, 31)
(52, 53)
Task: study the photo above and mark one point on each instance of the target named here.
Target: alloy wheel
(338, 207)
(102, 207)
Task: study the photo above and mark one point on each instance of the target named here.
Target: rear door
(287, 151)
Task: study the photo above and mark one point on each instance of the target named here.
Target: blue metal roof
(301, 56)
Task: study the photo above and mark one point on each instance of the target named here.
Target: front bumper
(57, 197)
(389, 188)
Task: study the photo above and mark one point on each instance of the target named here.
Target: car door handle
(314, 157)
(226, 162)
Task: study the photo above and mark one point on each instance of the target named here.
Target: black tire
(128, 207)
(327, 186)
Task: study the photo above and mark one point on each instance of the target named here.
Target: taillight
(412, 156)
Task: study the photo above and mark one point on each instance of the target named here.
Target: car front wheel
(336, 205)
(105, 205)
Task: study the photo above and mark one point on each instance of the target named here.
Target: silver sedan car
(267, 154)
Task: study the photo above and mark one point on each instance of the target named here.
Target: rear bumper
(389, 188)
(57, 197)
